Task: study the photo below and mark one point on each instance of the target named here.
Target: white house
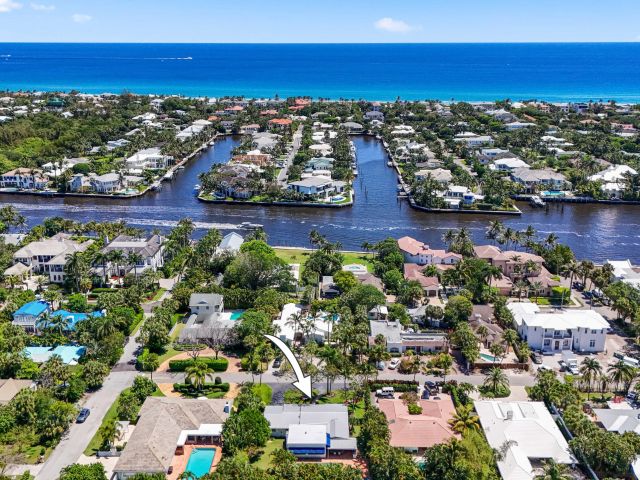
(398, 340)
(583, 331)
(525, 434)
(151, 251)
(613, 179)
(24, 178)
(148, 159)
(231, 243)
(107, 183)
(625, 272)
(510, 127)
(315, 186)
(509, 164)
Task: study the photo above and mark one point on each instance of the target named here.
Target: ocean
(470, 72)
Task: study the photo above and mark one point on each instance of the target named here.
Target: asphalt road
(297, 138)
(80, 434)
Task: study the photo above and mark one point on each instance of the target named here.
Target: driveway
(79, 435)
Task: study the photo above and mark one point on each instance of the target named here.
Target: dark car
(277, 362)
(425, 394)
(83, 415)
(431, 386)
(537, 359)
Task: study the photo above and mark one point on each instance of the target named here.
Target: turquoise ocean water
(554, 72)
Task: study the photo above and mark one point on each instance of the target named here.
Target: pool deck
(179, 462)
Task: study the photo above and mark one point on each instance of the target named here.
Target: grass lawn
(264, 391)
(264, 462)
(137, 322)
(300, 255)
(158, 294)
(171, 352)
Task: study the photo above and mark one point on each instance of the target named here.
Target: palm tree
(134, 259)
(590, 368)
(536, 287)
(295, 320)
(197, 374)
(117, 257)
(509, 337)
(496, 380)
(464, 419)
(553, 471)
(483, 333)
(621, 372)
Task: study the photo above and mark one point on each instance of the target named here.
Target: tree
(590, 368)
(554, 471)
(149, 362)
(458, 309)
(93, 471)
(621, 372)
(464, 419)
(247, 428)
(444, 362)
(108, 432)
(94, 373)
(509, 337)
(197, 373)
(496, 381)
(410, 293)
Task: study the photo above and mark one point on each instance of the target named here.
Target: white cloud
(9, 5)
(389, 24)
(81, 18)
(43, 8)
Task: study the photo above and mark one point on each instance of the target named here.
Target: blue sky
(319, 21)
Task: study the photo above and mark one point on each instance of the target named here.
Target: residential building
(374, 115)
(533, 179)
(312, 431)
(165, 427)
(249, 129)
(526, 435)
(416, 433)
(513, 126)
(472, 140)
(107, 183)
(24, 178)
(10, 387)
(625, 272)
(440, 175)
(151, 250)
(353, 127)
(431, 284)
(29, 315)
(618, 420)
(399, 340)
(148, 159)
(513, 264)
(315, 186)
(509, 164)
(230, 243)
(49, 256)
(418, 252)
(205, 303)
(583, 331)
(613, 179)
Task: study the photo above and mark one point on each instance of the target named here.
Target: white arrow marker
(304, 383)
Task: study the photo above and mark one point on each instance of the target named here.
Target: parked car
(277, 362)
(393, 364)
(83, 415)
(536, 358)
(380, 365)
(385, 392)
(425, 394)
(431, 386)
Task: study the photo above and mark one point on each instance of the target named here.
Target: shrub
(188, 389)
(414, 409)
(398, 385)
(217, 365)
(217, 381)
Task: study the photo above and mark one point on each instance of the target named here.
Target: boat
(250, 225)
(168, 175)
(180, 167)
(389, 164)
(212, 143)
(536, 201)
(196, 188)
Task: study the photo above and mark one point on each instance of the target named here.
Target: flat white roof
(530, 315)
(306, 434)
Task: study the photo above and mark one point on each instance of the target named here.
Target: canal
(598, 232)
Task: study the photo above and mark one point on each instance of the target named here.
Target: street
(297, 138)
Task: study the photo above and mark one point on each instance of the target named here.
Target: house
(509, 164)
(431, 285)
(322, 149)
(312, 431)
(30, 314)
(533, 179)
(378, 313)
(618, 420)
(583, 331)
(148, 159)
(107, 183)
(80, 183)
(18, 273)
(418, 252)
(264, 141)
(353, 127)
(24, 178)
(280, 123)
(207, 320)
(165, 427)
(249, 129)
(315, 186)
(513, 126)
(257, 159)
(374, 115)
(513, 264)
(49, 256)
(526, 435)
(472, 140)
(69, 354)
(482, 317)
(613, 179)
(399, 340)
(10, 387)
(493, 152)
(416, 433)
(327, 287)
(205, 303)
(625, 272)
(440, 175)
(230, 243)
(151, 252)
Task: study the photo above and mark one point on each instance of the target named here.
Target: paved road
(297, 138)
(79, 434)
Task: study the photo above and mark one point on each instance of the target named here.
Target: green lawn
(300, 255)
(264, 462)
(171, 352)
(158, 294)
(264, 391)
(137, 322)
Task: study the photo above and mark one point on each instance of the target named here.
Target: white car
(393, 364)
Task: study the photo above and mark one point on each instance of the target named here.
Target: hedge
(398, 385)
(206, 388)
(185, 347)
(217, 365)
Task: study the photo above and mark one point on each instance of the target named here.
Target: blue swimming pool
(488, 358)
(200, 461)
(552, 193)
(237, 314)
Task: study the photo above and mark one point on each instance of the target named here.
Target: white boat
(168, 175)
(196, 188)
(536, 201)
(180, 167)
(250, 225)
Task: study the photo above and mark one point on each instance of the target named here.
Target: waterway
(598, 232)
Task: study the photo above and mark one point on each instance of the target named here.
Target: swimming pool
(237, 314)
(200, 461)
(488, 358)
(337, 199)
(552, 193)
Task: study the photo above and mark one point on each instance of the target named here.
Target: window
(594, 331)
(592, 343)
